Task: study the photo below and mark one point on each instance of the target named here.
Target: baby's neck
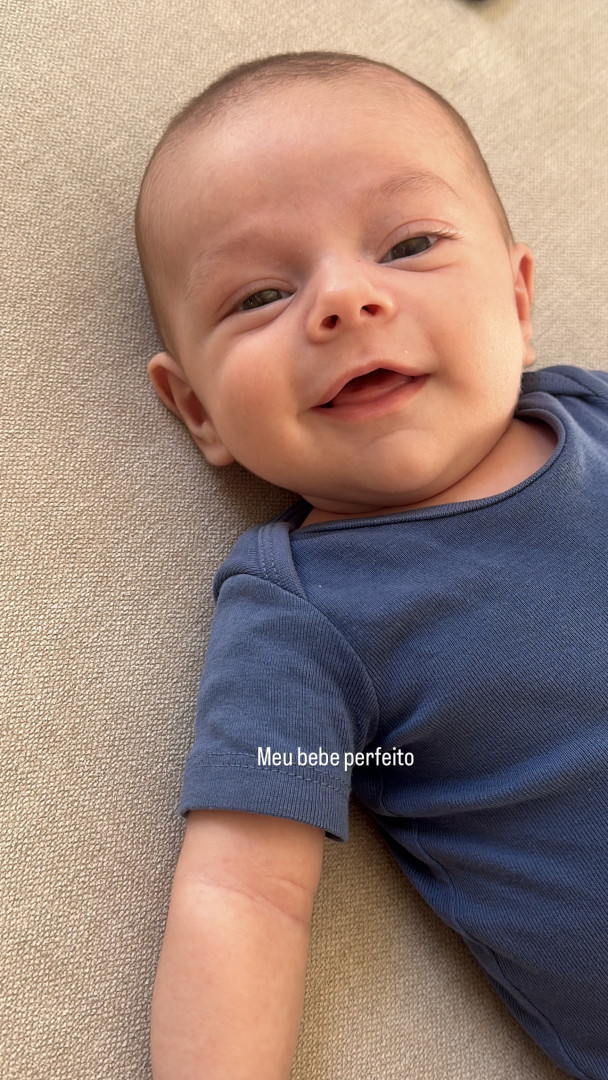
(524, 448)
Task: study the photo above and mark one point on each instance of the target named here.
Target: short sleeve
(284, 703)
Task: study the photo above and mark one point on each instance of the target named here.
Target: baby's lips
(367, 385)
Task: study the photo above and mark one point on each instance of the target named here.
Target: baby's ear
(522, 262)
(173, 389)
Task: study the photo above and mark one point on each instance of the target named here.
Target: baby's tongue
(369, 387)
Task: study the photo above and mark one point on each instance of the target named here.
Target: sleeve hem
(261, 790)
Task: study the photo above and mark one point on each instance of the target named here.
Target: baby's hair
(240, 83)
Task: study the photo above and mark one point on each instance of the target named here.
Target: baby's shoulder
(263, 552)
(562, 380)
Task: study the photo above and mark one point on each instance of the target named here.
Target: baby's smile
(371, 394)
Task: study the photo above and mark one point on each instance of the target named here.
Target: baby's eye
(414, 245)
(260, 299)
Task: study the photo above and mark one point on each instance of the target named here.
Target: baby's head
(333, 277)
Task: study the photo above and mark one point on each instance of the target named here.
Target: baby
(344, 312)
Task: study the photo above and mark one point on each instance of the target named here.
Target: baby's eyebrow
(211, 255)
(401, 183)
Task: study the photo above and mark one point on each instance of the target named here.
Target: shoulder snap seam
(267, 579)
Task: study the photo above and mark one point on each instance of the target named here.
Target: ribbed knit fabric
(468, 644)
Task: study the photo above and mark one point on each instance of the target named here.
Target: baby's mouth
(364, 388)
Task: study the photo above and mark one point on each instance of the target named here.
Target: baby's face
(332, 245)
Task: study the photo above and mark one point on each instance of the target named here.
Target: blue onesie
(461, 651)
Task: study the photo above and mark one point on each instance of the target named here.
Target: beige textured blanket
(112, 524)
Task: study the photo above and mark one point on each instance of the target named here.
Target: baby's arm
(230, 983)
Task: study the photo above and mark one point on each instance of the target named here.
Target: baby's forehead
(281, 106)
(272, 122)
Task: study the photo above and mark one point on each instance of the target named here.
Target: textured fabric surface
(112, 524)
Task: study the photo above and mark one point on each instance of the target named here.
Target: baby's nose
(347, 298)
